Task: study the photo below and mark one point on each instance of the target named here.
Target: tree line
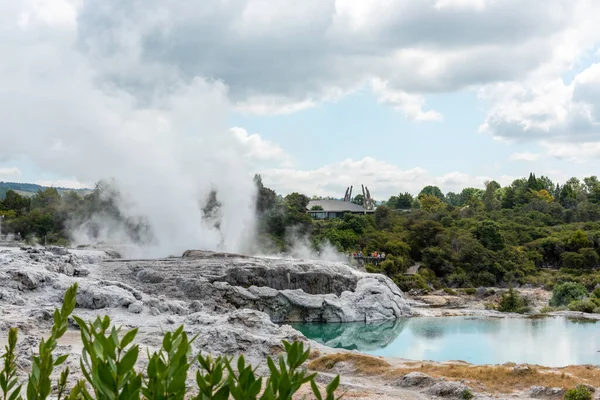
(531, 231)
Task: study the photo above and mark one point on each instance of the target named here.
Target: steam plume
(166, 152)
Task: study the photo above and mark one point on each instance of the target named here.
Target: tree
(297, 202)
(570, 193)
(454, 199)
(545, 183)
(436, 259)
(383, 217)
(358, 199)
(16, 202)
(266, 198)
(590, 257)
(592, 189)
(488, 234)
(489, 198)
(424, 233)
(432, 191)
(46, 198)
(467, 195)
(532, 183)
(579, 240)
(392, 202)
(541, 195)
(430, 203)
(403, 201)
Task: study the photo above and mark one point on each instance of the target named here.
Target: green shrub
(409, 282)
(108, 365)
(429, 277)
(467, 394)
(512, 302)
(450, 291)
(579, 393)
(469, 291)
(596, 293)
(458, 279)
(586, 305)
(567, 292)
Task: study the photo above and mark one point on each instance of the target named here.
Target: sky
(314, 95)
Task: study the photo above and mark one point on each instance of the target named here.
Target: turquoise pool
(548, 341)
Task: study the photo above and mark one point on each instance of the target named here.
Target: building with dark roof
(328, 209)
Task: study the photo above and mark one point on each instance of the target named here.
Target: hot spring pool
(553, 342)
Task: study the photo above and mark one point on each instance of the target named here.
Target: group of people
(360, 254)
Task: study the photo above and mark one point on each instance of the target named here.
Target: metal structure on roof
(326, 209)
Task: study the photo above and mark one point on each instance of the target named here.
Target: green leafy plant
(511, 301)
(579, 393)
(8, 376)
(467, 394)
(109, 358)
(168, 369)
(566, 293)
(107, 362)
(585, 305)
(39, 384)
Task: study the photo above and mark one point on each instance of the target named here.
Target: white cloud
(573, 152)
(411, 105)
(272, 106)
(281, 57)
(526, 156)
(383, 179)
(458, 4)
(564, 118)
(10, 173)
(258, 149)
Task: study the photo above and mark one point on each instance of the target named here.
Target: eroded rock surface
(286, 290)
(225, 297)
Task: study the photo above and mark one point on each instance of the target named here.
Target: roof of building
(336, 206)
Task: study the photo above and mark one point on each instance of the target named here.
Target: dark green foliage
(567, 292)
(266, 198)
(512, 302)
(403, 201)
(108, 364)
(467, 394)
(383, 218)
(585, 305)
(410, 282)
(432, 191)
(488, 234)
(579, 393)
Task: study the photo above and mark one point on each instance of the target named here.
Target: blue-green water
(551, 342)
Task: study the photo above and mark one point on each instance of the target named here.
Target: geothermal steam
(165, 152)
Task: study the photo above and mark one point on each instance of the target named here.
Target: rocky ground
(237, 304)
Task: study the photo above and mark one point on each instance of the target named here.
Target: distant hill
(30, 189)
